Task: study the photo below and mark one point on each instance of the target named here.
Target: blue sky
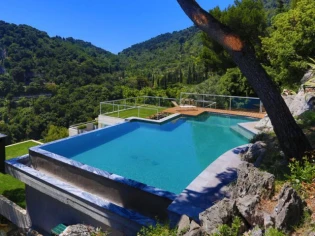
(110, 24)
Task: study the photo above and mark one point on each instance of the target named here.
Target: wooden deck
(198, 110)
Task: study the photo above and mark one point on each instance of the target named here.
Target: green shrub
(306, 119)
(233, 230)
(82, 127)
(266, 137)
(301, 172)
(273, 232)
(157, 230)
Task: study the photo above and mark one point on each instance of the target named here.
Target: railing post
(159, 101)
(230, 103)
(260, 106)
(118, 111)
(138, 112)
(2, 153)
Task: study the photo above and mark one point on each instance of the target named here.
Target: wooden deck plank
(198, 110)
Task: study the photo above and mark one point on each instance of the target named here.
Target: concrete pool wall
(51, 201)
(127, 193)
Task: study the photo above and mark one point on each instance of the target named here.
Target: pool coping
(161, 121)
(249, 127)
(207, 187)
(26, 174)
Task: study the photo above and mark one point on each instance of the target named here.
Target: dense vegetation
(67, 78)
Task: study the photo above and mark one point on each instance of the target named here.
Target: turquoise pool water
(167, 156)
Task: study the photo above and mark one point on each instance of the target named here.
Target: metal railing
(222, 101)
(145, 106)
(125, 111)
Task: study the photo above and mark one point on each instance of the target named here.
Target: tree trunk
(291, 138)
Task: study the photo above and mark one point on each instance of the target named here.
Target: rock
(247, 207)
(311, 234)
(197, 232)
(222, 212)
(307, 76)
(255, 153)
(252, 181)
(78, 230)
(297, 103)
(289, 210)
(269, 221)
(256, 232)
(183, 225)
(264, 124)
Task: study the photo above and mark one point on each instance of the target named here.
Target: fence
(125, 111)
(222, 102)
(144, 106)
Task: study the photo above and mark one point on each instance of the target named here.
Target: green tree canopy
(291, 42)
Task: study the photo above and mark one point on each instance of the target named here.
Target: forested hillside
(32, 59)
(274, 7)
(168, 58)
(75, 75)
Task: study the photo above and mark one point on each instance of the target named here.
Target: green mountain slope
(30, 55)
(170, 54)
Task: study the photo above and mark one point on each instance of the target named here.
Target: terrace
(192, 104)
(124, 176)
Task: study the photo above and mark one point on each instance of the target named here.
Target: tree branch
(215, 29)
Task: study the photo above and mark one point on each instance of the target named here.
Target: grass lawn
(10, 187)
(143, 113)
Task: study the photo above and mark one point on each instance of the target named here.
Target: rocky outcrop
(252, 185)
(297, 104)
(188, 227)
(289, 210)
(251, 188)
(221, 213)
(264, 125)
(252, 181)
(255, 153)
(247, 207)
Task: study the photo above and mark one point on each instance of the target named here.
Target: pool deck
(198, 110)
(208, 187)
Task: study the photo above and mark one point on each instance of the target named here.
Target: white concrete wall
(108, 120)
(14, 213)
(72, 131)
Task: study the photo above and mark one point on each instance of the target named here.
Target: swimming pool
(167, 156)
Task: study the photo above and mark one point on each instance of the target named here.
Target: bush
(273, 232)
(301, 172)
(265, 137)
(306, 119)
(233, 230)
(157, 230)
(82, 127)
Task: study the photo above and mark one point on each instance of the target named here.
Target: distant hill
(30, 55)
(165, 54)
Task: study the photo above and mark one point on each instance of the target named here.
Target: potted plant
(95, 125)
(81, 128)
